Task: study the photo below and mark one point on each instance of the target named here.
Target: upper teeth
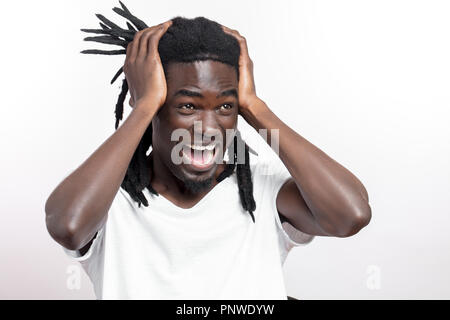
(208, 147)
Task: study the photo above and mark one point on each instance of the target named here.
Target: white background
(366, 81)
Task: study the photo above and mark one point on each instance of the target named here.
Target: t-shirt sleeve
(276, 176)
(94, 249)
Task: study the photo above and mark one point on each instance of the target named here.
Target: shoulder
(268, 170)
(260, 166)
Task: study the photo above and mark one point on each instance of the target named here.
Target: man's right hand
(143, 68)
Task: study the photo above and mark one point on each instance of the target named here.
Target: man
(208, 229)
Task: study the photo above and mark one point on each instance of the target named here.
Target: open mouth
(200, 157)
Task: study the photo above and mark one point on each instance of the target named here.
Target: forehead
(205, 75)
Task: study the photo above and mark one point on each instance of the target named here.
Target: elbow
(64, 232)
(359, 219)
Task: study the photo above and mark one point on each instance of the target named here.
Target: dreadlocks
(186, 40)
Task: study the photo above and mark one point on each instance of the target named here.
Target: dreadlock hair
(186, 40)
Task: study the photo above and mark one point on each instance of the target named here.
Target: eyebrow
(189, 93)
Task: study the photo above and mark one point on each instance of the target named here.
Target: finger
(143, 43)
(155, 37)
(231, 31)
(129, 47)
(242, 41)
(225, 28)
(135, 46)
(244, 48)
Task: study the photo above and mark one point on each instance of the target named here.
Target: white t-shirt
(210, 251)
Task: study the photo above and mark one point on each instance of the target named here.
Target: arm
(78, 206)
(322, 197)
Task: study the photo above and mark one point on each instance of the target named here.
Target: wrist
(254, 109)
(146, 107)
(144, 112)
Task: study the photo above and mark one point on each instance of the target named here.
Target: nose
(207, 127)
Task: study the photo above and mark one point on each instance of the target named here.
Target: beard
(195, 186)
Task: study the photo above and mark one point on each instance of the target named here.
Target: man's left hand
(247, 92)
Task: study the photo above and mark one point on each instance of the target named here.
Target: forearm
(335, 197)
(79, 204)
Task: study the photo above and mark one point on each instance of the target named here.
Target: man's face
(202, 101)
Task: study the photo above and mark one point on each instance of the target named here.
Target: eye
(226, 106)
(186, 109)
(187, 106)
